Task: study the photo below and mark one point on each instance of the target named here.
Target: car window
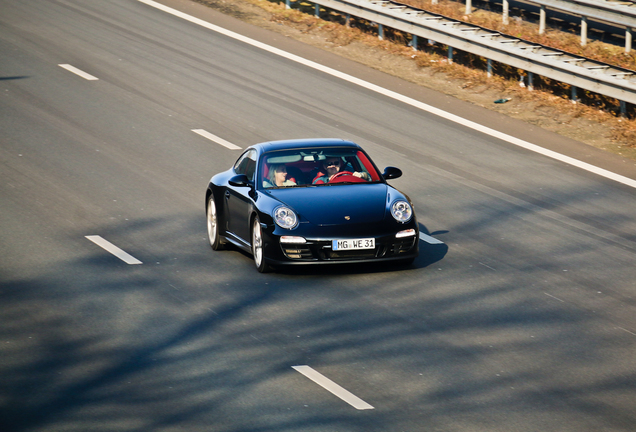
(246, 164)
(293, 168)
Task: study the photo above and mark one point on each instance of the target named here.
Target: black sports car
(310, 202)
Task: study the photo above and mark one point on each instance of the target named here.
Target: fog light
(405, 233)
(293, 239)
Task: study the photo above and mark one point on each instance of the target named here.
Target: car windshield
(316, 167)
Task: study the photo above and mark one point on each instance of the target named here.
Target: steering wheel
(346, 176)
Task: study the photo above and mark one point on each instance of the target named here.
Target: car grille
(402, 245)
(297, 251)
(350, 254)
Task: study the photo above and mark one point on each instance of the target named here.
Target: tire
(257, 247)
(214, 236)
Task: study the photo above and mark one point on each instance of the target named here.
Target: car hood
(331, 205)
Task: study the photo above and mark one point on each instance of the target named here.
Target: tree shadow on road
(204, 342)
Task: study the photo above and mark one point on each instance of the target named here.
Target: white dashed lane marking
(108, 246)
(216, 139)
(332, 387)
(430, 240)
(79, 72)
(556, 298)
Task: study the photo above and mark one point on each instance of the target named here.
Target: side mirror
(391, 173)
(239, 180)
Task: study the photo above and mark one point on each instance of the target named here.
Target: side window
(367, 166)
(246, 164)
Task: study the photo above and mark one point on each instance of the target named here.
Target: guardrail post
(489, 68)
(573, 96)
(317, 10)
(506, 7)
(583, 30)
(542, 20)
(450, 54)
(287, 5)
(623, 109)
(348, 20)
(469, 7)
(380, 31)
(530, 79)
(628, 39)
(414, 43)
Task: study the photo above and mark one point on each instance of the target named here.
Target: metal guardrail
(614, 12)
(561, 66)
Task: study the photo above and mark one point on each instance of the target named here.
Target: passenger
(277, 176)
(334, 165)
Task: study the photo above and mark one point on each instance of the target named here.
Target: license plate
(340, 245)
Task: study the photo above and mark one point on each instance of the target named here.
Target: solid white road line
(216, 139)
(79, 72)
(105, 244)
(332, 387)
(430, 240)
(405, 99)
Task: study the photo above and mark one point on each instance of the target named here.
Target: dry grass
(564, 41)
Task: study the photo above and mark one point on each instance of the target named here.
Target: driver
(334, 165)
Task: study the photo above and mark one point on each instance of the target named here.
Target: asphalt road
(523, 319)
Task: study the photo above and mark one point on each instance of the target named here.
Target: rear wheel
(213, 226)
(257, 247)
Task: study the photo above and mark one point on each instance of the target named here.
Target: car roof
(304, 143)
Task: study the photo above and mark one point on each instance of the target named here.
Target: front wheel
(213, 226)
(257, 247)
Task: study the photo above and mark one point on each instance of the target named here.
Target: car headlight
(285, 217)
(401, 211)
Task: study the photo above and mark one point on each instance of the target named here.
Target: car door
(239, 199)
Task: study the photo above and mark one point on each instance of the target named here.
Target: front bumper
(319, 250)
